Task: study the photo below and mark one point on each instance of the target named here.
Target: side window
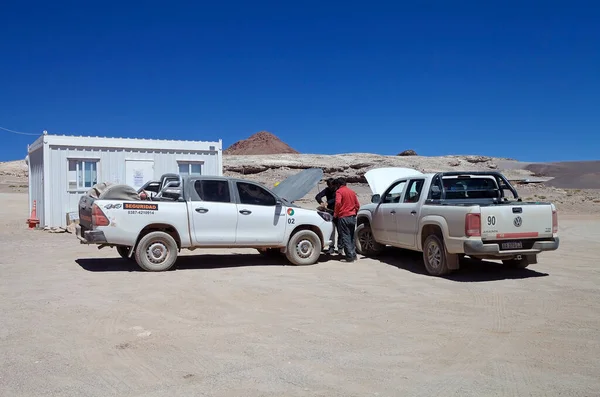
(435, 191)
(252, 194)
(214, 191)
(393, 196)
(413, 193)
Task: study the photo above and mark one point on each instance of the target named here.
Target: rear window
(474, 188)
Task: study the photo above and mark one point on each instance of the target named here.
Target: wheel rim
(305, 248)
(434, 255)
(157, 252)
(366, 241)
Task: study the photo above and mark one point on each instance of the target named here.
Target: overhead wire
(18, 132)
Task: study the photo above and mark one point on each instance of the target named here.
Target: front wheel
(304, 248)
(435, 256)
(365, 241)
(156, 252)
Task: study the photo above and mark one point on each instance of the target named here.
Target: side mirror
(376, 198)
(436, 192)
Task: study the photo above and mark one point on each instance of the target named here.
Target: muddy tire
(435, 256)
(365, 241)
(156, 252)
(123, 250)
(304, 248)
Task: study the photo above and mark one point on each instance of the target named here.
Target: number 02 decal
(291, 221)
(491, 220)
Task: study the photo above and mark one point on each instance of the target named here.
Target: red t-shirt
(346, 202)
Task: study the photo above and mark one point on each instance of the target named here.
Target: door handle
(245, 212)
(202, 210)
(392, 211)
(413, 212)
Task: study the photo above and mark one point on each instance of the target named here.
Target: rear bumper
(478, 247)
(90, 236)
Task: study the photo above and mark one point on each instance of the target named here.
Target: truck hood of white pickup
(298, 185)
(380, 178)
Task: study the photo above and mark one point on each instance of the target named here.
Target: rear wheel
(435, 256)
(304, 248)
(156, 252)
(365, 241)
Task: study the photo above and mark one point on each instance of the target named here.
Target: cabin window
(82, 174)
(190, 168)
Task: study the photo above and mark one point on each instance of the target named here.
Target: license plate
(512, 245)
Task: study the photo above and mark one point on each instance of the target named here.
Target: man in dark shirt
(346, 208)
(329, 194)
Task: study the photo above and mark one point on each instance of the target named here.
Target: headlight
(325, 215)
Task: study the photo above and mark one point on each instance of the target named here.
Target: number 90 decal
(491, 220)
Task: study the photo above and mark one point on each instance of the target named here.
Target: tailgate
(516, 222)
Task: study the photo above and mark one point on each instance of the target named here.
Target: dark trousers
(346, 227)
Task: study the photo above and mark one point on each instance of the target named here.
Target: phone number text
(138, 212)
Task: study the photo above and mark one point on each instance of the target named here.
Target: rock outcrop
(408, 152)
(262, 142)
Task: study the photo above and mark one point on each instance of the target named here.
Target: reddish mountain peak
(262, 142)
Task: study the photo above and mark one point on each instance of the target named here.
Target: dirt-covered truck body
(449, 215)
(205, 212)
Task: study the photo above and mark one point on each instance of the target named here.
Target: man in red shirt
(346, 207)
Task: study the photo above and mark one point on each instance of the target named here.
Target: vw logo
(518, 221)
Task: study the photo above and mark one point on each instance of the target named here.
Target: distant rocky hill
(352, 166)
(569, 174)
(262, 142)
(571, 189)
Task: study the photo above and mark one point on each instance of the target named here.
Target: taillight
(98, 217)
(554, 221)
(473, 225)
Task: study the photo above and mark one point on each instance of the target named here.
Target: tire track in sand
(112, 346)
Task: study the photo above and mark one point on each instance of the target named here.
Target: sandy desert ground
(81, 321)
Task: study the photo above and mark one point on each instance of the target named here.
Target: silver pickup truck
(449, 215)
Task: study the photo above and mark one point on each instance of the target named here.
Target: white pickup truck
(449, 215)
(207, 212)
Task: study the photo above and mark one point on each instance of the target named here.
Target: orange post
(33, 219)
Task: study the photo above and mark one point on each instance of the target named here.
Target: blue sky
(512, 79)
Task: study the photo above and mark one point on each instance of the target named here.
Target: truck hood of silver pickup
(380, 178)
(298, 185)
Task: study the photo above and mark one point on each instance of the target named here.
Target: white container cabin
(62, 168)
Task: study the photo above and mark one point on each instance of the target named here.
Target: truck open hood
(380, 178)
(298, 185)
